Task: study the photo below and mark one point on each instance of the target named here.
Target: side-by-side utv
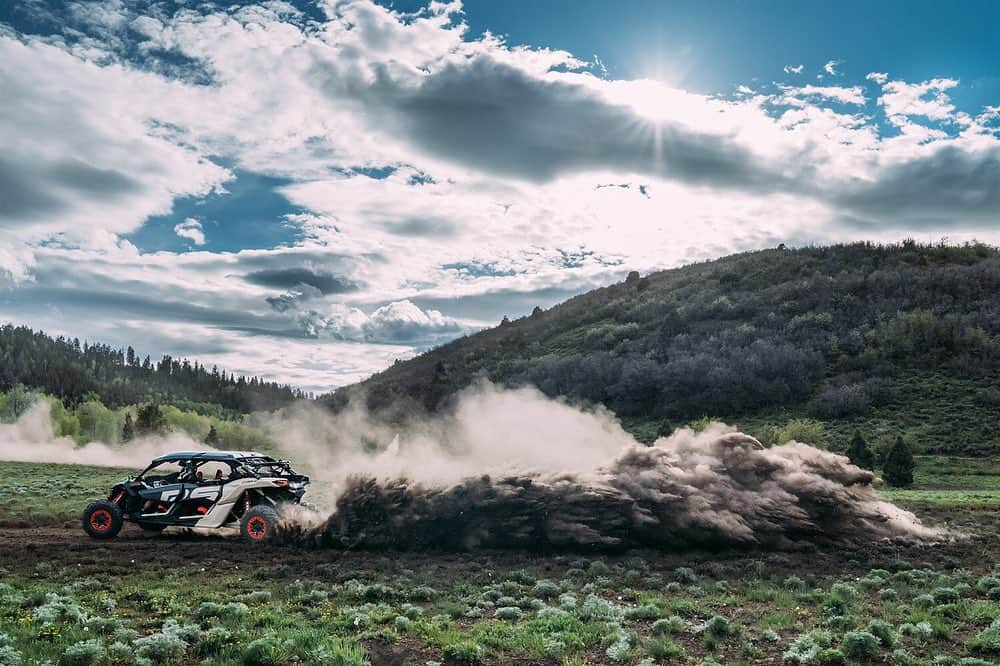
(205, 489)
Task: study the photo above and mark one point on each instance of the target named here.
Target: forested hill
(71, 371)
(899, 339)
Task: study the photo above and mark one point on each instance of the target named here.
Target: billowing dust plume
(31, 439)
(516, 469)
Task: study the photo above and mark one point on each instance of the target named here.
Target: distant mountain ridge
(850, 336)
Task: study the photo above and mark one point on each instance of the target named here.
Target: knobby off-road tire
(102, 519)
(259, 524)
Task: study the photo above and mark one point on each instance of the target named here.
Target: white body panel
(231, 493)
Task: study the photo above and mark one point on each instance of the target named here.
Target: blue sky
(310, 190)
(716, 46)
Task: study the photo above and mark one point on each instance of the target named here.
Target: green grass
(320, 616)
(572, 609)
(948, 481)
(983, 498)
(48, 494)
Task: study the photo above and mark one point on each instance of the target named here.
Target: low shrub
(794, 583)
(662, 648)
(644, 612)
(670, 625)
(545, 589)
(918, 630)
(378, 592)
(84, 653)
(338, 652)
(859, 645)
(9, 656)
(508, 613)
(903, 658)
(685, 575)
(945, 595)
(620, 650)
(718, 627)
(161, 648)
(808, 648)
(213, 642)
(883, 631)
(422, 593)
(987, 641)
(267, 651)
(465, 652)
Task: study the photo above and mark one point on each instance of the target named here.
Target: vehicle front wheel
(259, 524)
(102, 519)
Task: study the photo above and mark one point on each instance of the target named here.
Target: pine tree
(150, 420)
(128, 429)
(860, 453)
(212, 438)
(898, 469)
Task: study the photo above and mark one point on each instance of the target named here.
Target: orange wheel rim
(100, 520)
(257, 527)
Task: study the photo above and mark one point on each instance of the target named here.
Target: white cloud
(492, 204)
(191, 229)
(877, 77)
(831, 67)
(796, 69)
(798, 96)
(80, 163)
(902, 100)
(397, 322)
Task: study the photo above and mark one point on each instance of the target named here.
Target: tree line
(90, 420)
(72, 370)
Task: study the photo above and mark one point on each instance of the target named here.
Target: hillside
(898, 339)
(75, 372)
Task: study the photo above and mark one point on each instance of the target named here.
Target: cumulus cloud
(793, 69)
(800, 96)
(78, 164)
(831, 67)
(397, 322)
(191, 230)
(877, 77)
(902, 100)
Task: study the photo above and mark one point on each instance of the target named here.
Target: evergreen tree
(128, 429)
(150, 420)
(860, 453)
(212, 438)
(116, 377)
(898, 469)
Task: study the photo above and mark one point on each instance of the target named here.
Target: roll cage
(248, 467)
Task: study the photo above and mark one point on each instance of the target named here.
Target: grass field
(172, 599)
(46, 494)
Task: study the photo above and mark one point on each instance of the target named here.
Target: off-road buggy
(206, 489)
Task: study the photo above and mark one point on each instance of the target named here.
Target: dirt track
(22, 549)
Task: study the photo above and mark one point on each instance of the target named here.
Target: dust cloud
(31, 439)
(513, 468)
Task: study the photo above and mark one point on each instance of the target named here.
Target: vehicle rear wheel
(152, 527)
(259, 524)
(102, 519)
